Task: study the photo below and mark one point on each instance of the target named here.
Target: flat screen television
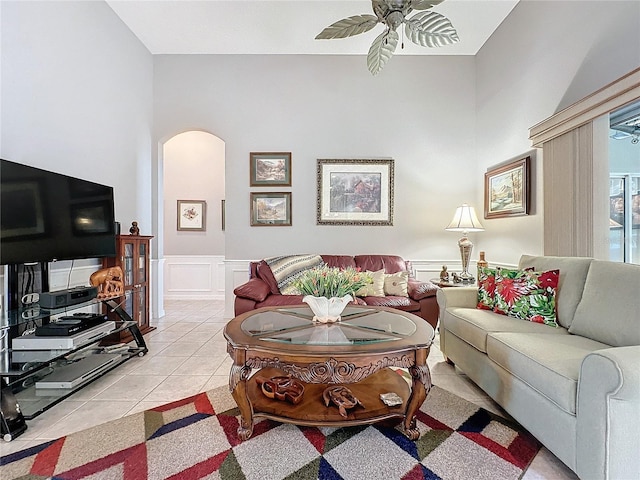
(47, 216)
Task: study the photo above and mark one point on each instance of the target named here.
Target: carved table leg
(420, 386)
(238, 386)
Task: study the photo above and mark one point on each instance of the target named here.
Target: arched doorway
(193, 186)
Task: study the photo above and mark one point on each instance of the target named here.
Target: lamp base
(466, 246)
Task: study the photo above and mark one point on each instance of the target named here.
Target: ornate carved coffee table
(356, 352)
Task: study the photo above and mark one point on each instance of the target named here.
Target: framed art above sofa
(355, 192)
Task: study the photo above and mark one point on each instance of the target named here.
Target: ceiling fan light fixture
(427, 28)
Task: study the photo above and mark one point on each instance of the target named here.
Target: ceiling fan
(427, 28)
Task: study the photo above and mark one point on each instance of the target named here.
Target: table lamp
(465, 221)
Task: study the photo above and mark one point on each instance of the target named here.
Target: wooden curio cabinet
(132, 255)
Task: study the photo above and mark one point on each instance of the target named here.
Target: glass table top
(359, 326)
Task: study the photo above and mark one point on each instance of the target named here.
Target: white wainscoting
(426, 270)
(236, 273)
(194, 277)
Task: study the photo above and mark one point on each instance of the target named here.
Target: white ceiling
(288, 26)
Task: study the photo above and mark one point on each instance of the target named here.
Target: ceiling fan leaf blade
(348, 27)
(382, 50)
(424, 4)
(431, 29)
(380, 8)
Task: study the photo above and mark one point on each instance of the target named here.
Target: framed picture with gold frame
(270, 209)
(507, 189)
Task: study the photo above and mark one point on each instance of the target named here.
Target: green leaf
(381, 51)
(348, 27)
(430, 29)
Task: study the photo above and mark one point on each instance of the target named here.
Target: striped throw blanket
(286, 269)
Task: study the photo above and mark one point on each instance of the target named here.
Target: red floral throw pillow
(486, 287)
(527, 295)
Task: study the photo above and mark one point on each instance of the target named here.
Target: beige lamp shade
(465, 220)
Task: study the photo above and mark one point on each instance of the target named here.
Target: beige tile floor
(187, 355)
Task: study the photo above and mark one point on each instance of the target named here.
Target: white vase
(327, 310)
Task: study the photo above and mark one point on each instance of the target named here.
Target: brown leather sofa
(262, 289)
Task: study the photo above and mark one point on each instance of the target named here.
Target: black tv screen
(47, 216)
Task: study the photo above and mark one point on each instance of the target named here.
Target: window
(624, 218)
(624, 184)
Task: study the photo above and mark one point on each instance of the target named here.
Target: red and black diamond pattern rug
(196, 438)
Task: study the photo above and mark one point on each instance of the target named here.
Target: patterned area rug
(196, 438)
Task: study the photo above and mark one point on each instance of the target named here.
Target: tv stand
(35, 380)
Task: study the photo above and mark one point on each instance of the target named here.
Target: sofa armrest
(418, 290)
(466, 297)
(255, 289)
(608, 414)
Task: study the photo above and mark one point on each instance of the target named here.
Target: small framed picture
(507, 189)
(272, 209)
(192, 215)
(270, 169)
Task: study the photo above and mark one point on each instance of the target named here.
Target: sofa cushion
(527, 295)
(396, 284)
(255, 289)
(573, 273)
(609, 311)
(340, 261)
(374, 289)
(281, 300)
(401, 303)
(264, 273)
(473, 325)
(548, 363)
(373, 263)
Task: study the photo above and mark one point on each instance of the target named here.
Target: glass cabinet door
(127, 264)
(142, 263)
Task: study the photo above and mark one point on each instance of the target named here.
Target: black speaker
(66, 298)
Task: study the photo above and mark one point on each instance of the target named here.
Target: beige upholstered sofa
(576, 387)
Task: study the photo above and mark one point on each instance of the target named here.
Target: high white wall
(76, 98)
(545, 56)
(419, 111)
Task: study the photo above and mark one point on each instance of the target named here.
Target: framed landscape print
(270, 169)
(272, 209)
(192, 215)
(355, 192)
(507, 189)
